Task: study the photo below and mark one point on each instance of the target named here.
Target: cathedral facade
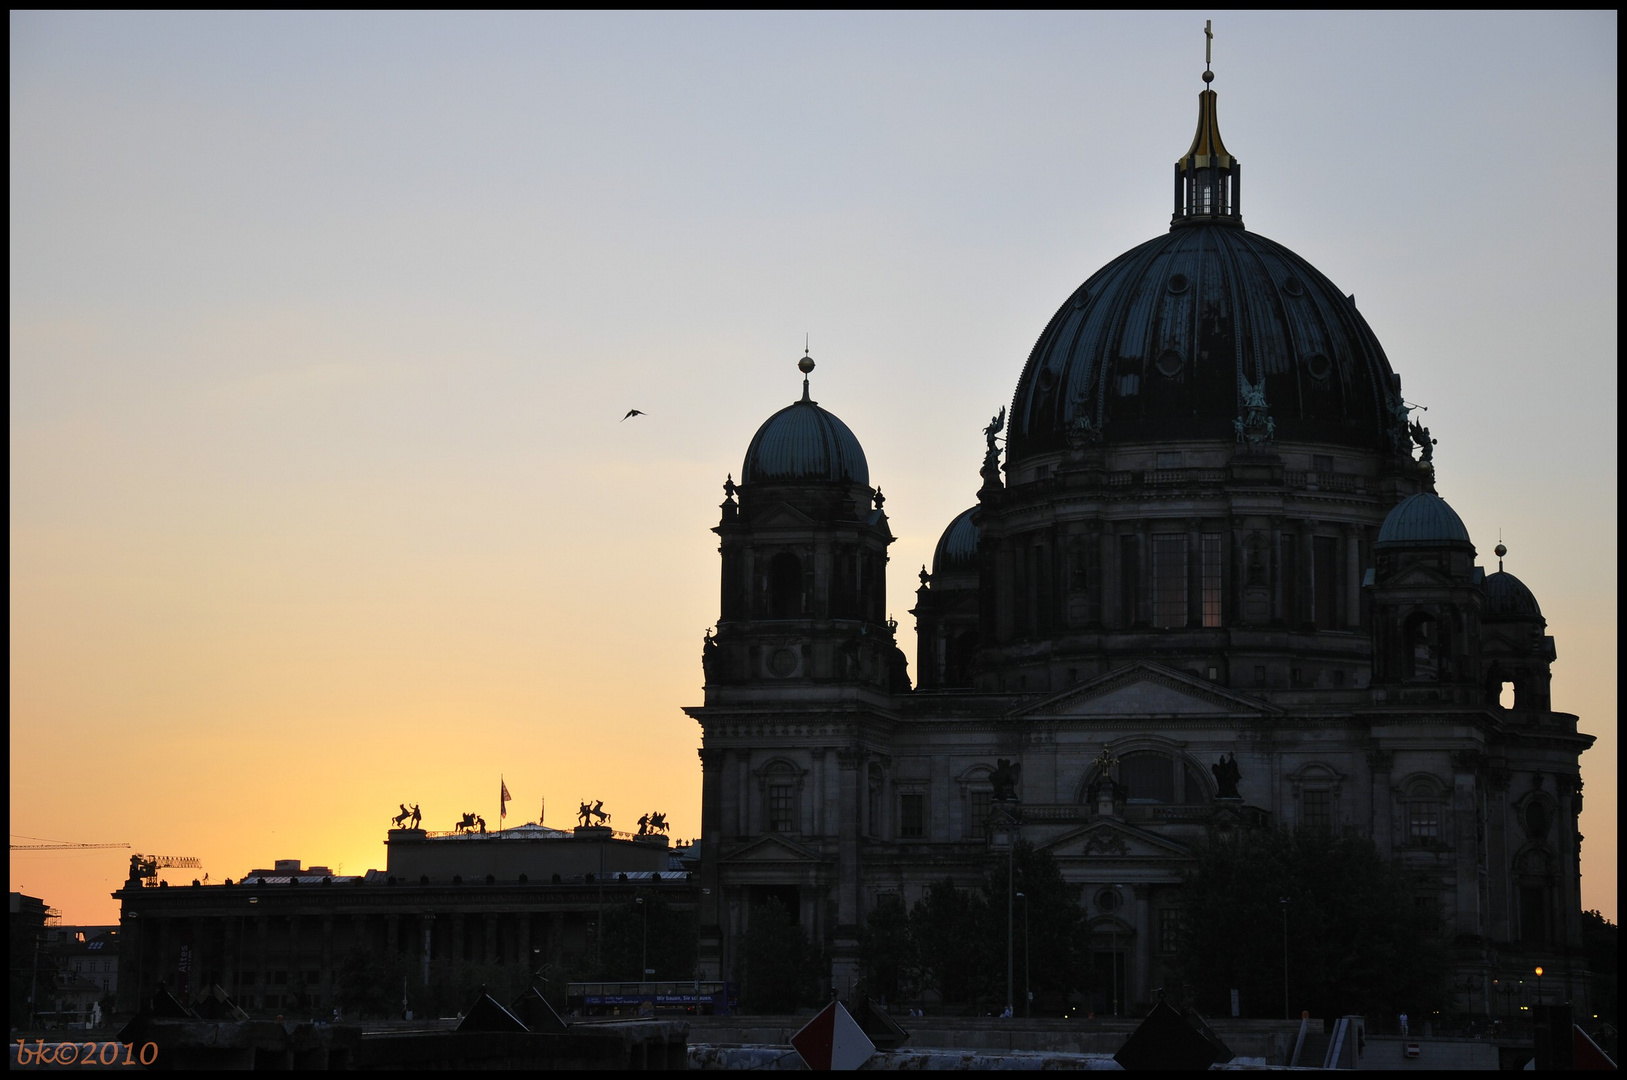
(1211, 584)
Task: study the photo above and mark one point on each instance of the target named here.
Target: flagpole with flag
(502, 799)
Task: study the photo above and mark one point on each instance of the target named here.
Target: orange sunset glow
(323, 329)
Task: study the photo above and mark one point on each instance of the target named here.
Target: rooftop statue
(1004, 778)
(1226, 776)
(1420, 435)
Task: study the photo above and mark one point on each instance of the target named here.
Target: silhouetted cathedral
(1210, 536)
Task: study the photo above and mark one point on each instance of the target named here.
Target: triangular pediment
(1114, 840)
(1145, 689)
(771, 849)
(781, 516)
(1420, 575)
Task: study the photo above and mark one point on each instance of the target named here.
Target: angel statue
(1420, 435)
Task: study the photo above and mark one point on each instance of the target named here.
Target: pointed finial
(805, 365)
(1501, 550)
(1208, 42)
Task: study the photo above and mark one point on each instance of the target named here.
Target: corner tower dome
(1422, 519)
(957, 547)
(804, 442)
(1168, 340)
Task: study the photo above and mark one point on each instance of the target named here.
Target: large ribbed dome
(804, 442)
(957, 547)
(1157, 344)
(1422, 519)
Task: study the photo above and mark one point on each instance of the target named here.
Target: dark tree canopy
(1361, 937)
(1600, 943)
(953, 942)
(655, 930)
(780, 969)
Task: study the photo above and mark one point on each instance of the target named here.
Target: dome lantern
(1207, 177)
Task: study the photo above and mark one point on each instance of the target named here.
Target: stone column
(845, 940)
(821, 825)
(1379, 763)
(1465, 767)
(1352, 577)
(429, 942)
(1140, 988)
(710, 954)
(296, 974)
(325, 972)
(262, 928)
(489, 952)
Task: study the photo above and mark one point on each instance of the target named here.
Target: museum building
(1215, 535)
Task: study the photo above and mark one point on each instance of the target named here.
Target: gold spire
(1206, 176)
(1206, 144)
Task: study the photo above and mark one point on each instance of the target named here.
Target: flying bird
(635, 412)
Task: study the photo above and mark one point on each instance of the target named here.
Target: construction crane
(146, 867)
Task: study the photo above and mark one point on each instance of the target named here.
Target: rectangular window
(1325, 583)
(1171, 929)
(1322, 464)
(977, 806)
(1169, 580)
(781, 807)
(1318, 807)
(1424, 822)
(912, 816)
(1211, 579)
(1130, 578)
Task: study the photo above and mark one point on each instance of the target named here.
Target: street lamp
(1028, 993)
(644, 965)
(1539, 986)
(1287, 1014)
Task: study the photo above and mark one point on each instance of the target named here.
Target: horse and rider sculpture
(650, 824)
(400, 820)
(587, 813)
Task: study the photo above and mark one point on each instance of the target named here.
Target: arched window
(1153, 778)
(785, 586)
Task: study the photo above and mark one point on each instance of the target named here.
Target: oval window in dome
(1292, 287)
(1168, 363)
(1081, 298)
(1178, 283)
(1319, 366)
(1047, 379)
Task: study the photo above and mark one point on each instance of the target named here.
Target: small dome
(1423, 519)
(1508, 598)
(804, 442)
(957, 547)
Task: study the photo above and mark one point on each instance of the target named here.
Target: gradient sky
(322, 327)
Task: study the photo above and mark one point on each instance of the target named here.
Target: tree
(781, 969)
(1056, 950)
(653, 934)
(368, 983)
(1600, 941)
(1361, 937)
(887, 953)
(953, 933)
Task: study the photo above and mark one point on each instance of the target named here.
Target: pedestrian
(1404, 1023)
